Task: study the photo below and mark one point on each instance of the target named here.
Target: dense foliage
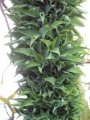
(47, 51)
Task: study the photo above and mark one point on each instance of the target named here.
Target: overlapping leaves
(48, 54)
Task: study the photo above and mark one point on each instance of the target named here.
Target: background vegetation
(85, 113)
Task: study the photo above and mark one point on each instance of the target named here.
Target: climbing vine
(48, 52)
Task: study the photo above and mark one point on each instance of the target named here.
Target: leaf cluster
(47, 51)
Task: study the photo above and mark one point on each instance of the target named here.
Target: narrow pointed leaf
(76, 49)
(28, 103)
(33, 64)
(77, 22)
(30, 33)
(56, 23)
(25, 51)
(76, 70)
(72, 58)
(33, 12)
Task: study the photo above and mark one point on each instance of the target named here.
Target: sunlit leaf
(77, 22)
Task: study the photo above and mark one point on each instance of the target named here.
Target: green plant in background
(85, 113)
(47, 51)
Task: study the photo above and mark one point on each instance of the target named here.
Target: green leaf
(46, 42)
(50, 56)
(44, 30)
(73, 58)
(80, 10)
(28, 103)
(37, 56)
(32, 23)
(62, 88)
(20, 99)
(24, 92)
(19, 62)
(25, 51)
(73, 118)
(21, 80)
(68, 26)
(33, 12)
(56, 23)
(55, 50)
(13, 18)
(55, 110)
(76, 32)
(76, 49)
(35, 96)
(64, 31)
(50, 93)
(47, 8)
(33, 39)
(74, 10)
(60, 80)
(33, 63)
(64, 48)
(61, 102)
(30, 33)
(51, 80)
(24, 115)
(63, 117)
(45, 52)
(38, 47)
(75, 70)
(50, 34)
(17, 104)
(40, 69)
(63, 55)
(54, 42)
(77, 22)
(69, 87)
